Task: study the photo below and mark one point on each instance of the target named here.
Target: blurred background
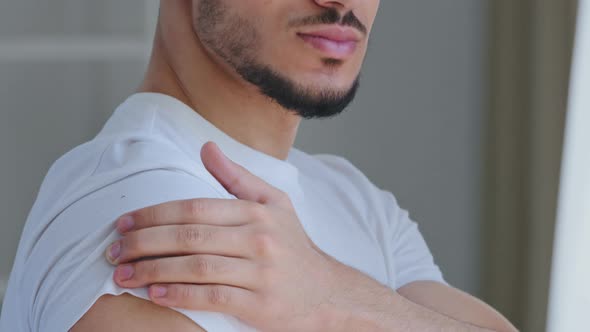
(461, 115)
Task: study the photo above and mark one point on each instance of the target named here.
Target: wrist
(370, 310)
(358, 302)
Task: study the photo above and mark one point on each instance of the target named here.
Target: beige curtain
(530, 56)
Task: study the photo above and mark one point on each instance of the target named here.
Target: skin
(250, 257)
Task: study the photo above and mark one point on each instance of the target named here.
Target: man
(269, 239)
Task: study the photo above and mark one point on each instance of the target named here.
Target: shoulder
(339, 174)
(329, 167)
(330, 162)
(118, 152)
(59, 269)
(341, 180)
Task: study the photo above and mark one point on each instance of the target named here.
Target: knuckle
(258, 212)
(149, 270)
(185, 293)
(218, 296)
(264, 244)
(194, 207)
(189, 236)
(200, 266)
(237, 182)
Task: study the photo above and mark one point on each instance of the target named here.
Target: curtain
(530, 55)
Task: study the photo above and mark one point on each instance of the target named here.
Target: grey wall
(415, 128)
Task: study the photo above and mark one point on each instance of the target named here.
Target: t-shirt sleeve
(74, 271)
(408, 252)
(407, 256)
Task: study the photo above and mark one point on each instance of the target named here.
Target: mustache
(332, 16)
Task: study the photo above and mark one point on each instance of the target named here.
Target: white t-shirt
(148, 153)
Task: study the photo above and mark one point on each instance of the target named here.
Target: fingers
(217, 298)
(210, 211)
(175, 240)
(195, 269)
(237, 180)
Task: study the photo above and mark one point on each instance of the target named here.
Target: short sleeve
(406, 254)
(69, 267)
(409, 254)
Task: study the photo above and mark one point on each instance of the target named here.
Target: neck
(180, 67)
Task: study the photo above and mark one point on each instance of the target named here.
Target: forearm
(396, 313)
(389, 311)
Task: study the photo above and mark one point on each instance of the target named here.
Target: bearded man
(209, 217)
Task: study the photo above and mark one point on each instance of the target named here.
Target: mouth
(333, 42)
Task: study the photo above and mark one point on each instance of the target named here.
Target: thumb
(236, 179)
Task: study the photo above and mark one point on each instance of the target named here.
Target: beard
(235, 41)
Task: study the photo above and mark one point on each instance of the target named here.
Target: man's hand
(248, 257)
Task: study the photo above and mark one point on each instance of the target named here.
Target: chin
(328, 83)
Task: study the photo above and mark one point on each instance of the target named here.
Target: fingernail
(159, 291)
(124, 272)
(113, 252)
(125, 224)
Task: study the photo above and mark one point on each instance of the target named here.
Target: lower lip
(332, 48)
